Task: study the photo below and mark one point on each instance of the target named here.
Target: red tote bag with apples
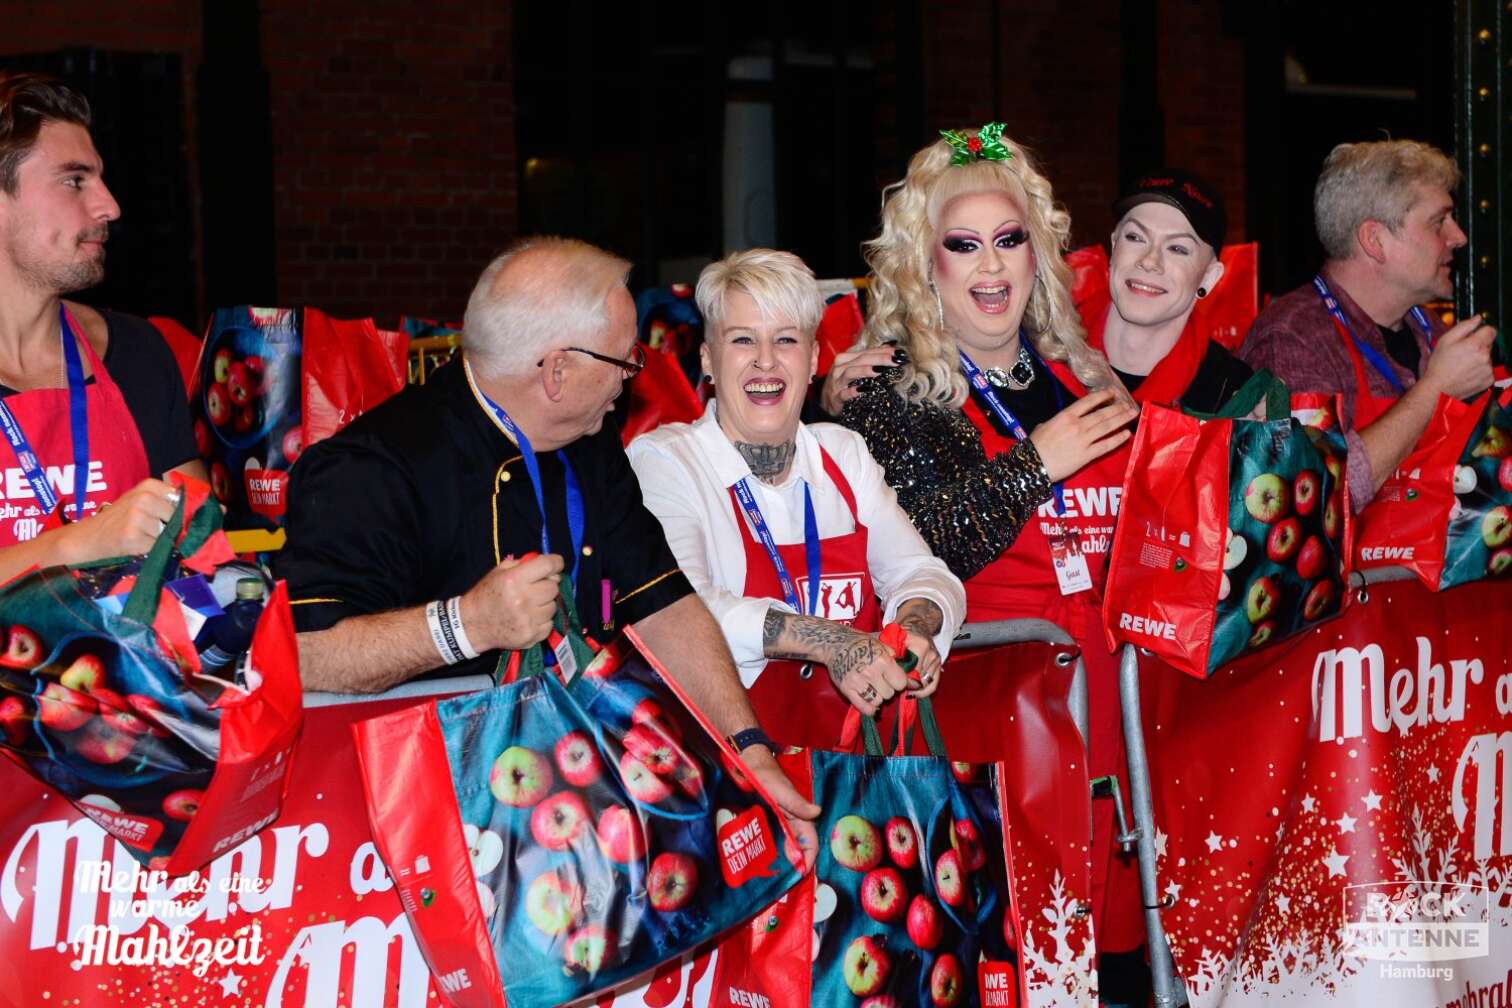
(1233, 533)
(1446, 513)
(102, 697)
(568, 831)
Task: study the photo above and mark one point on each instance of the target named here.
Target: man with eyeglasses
(406, 530)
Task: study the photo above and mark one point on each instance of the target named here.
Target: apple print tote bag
(105, 697)
(271, 381)
(568, 830)
(1446, 513)
(1232, 533)
(908, 904)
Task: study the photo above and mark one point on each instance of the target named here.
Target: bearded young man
(92, 405)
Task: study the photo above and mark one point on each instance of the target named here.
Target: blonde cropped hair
(780, 283)
(1374, 181)
(903, 307)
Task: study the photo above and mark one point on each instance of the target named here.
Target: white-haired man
(1385, 215)
(404, 529)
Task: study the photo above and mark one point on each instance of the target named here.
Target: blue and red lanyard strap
(78, 422)
(575, 520)
(810, 547)
(1382, 366)
(983, 389)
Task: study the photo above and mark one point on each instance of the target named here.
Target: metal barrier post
(1162, 967)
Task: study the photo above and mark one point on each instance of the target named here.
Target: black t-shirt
(1402, 344)
(140, 363)
(1219, 375)
(421, 497)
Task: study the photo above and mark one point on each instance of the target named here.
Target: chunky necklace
(1018, 377)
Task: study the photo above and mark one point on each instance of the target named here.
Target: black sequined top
(969, 508)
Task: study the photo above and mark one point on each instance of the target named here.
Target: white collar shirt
(686, 472)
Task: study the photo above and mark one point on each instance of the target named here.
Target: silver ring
(869, 694)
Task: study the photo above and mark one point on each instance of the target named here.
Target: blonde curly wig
(903, 308)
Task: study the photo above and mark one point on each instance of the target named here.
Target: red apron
(1021, 584)
(117, 460)
(1367, 406)
(794, 701)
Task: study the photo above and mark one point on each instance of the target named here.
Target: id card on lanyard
(1066, 558)
(78, 422)
(1371, 354)
(810, 547)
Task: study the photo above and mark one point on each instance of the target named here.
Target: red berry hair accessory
(987, 145)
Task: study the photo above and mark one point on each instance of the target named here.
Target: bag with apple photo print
(551, 839)
(1233, 533)
(104, 697)
(908, 904)
(1446, 513)
(272, 381)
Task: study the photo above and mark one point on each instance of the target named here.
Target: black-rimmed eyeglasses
(631, 367)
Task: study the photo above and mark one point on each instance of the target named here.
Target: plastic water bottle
(225, 637)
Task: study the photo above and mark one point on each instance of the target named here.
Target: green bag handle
(162, 560)
(566, 626)
(871, 736)
(1261, 385)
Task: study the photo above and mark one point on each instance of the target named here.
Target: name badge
(1070, 565)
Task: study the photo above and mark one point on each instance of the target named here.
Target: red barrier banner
(303, 915)
(1336, 813)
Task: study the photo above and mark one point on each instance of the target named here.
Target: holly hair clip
(987, 145)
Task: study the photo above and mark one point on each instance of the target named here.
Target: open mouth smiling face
(761, 369)
(983, 268)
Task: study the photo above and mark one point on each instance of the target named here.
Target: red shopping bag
(1446, 513)
(101, 698)
(1233, 533)
(271, 381)
(568, 831)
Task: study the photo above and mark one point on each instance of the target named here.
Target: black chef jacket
(421, 497)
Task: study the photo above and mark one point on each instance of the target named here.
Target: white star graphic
(230, 984)
(1174, 890)
(1160, 844)
(1309, 803)
(1346, 823)
(1283, 904)
(1335, 862)
(1433, 774)
(1372, 801)
(1214, 842)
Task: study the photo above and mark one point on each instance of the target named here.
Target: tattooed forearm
(768, 462)
(920, 616)
(810, 638)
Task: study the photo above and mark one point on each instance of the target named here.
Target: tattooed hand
(862, 669)
(922, 619)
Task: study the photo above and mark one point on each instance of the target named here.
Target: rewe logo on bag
(746, 848)
(996, 986)
(1387, 552)
(1147, 626)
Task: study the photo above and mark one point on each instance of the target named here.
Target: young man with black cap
(1164, 258)
(1385, 216)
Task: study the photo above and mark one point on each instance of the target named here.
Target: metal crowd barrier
(1031, 631)
(1170, 990)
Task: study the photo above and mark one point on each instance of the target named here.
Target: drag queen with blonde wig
(1003, 433)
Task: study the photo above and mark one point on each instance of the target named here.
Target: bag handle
(1262, 385)
(896, 639)
(161, 561)
(566, 629)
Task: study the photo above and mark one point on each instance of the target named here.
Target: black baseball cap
(1186, 192)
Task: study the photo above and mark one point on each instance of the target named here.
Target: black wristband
(743, 740)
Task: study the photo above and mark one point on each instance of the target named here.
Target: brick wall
(1058, 91)
(394, 156)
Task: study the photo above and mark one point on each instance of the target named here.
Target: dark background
(368, 158)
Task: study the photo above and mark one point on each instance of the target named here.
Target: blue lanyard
(1382, 366)
(575, 520)
(810, 546)
(983, 389)
(78, 422)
